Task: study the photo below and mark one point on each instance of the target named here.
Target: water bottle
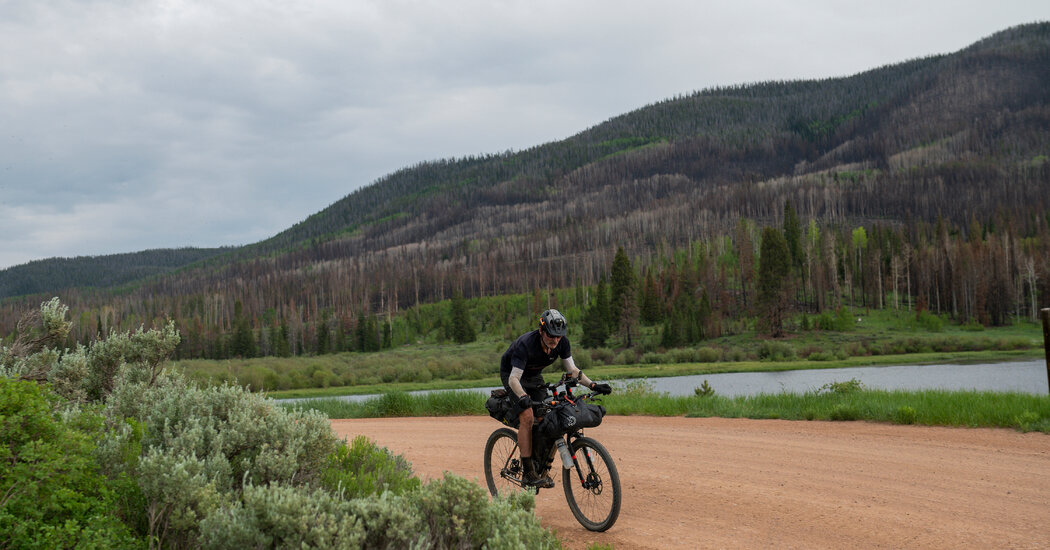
(566, 458)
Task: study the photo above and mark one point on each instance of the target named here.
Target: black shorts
(532, 386)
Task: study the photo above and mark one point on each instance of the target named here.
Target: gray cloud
(127, 125)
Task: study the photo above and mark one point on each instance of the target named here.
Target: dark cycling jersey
(526, 353)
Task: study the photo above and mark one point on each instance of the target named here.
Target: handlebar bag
(566, 417)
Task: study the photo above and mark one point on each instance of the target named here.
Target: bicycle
(589, 477)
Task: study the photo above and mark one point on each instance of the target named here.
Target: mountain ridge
(893, 143)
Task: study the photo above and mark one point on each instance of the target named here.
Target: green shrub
(458, 514)
(824, 321)
(736, 355)
(447, 513)
(972, 326)
(653, 358)
(1026, 420)
(682, 355)
(708, 355)
(582, 358)
(905, 415)
(387, 374)
(633, 388)
(775, 351)
(626, 357)
(53, 493)
(705, 390)
(424, 375)
(280, 516)
(390, 404)
(365, 469)
(202, 445)
(930, 322)
(842, 388)
(843, 412)
(602, 355)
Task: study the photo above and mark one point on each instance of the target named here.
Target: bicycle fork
(590, 480)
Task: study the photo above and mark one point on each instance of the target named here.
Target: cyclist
(520, 369)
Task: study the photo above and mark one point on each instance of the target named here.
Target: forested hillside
(55, 274)
(925, 182)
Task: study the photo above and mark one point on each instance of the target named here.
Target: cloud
(127, 125)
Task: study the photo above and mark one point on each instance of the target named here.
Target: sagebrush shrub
(279, 516)
(200, 446)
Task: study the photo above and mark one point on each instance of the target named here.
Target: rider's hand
(601, 388)
(524, 402)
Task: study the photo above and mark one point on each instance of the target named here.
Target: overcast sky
(134, 124)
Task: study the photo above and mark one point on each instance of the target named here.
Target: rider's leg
(525, 420)
(532, 477)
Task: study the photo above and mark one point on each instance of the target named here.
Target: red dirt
(733, 483)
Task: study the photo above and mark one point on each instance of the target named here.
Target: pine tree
(322, 337)
(371, 334)
(279, 341)
(773, 272)
(596, 319)
(362, 333)
(622, 297)
(462, 331)
(243, 342)
(650, 306)
(704, 317)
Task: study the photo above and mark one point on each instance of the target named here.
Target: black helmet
(553, 323)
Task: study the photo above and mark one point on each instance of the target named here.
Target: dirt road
(732, 483)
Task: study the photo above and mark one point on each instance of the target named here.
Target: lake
(1016, 376)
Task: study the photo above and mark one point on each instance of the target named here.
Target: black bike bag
(501, 407)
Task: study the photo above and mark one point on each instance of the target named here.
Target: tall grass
(932, 407)
(396, 404)
(842, 401)
(851, 401)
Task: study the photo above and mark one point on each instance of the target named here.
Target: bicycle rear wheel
(592, 486)
(503, 470)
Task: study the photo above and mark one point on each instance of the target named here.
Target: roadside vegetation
(837, 401)
(105, 448)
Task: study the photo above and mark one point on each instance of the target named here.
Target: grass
(838, 401)
(400, 404)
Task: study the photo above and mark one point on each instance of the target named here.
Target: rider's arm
(514, 381)
(575, 372)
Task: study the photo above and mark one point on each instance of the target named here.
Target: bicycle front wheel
(592, 485)
(503, 470)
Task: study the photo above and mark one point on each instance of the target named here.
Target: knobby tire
(596, 507)
(501, 452)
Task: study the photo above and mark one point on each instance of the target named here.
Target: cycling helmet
(553, 323)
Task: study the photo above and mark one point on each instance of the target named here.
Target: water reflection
(1022, 376)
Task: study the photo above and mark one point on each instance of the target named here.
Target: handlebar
(569, 383)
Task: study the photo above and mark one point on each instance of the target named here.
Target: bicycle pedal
(542, 483)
